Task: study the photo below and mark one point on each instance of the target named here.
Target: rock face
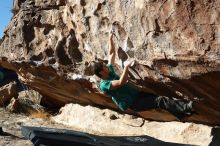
(51, 45)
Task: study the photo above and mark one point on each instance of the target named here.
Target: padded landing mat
(41, 136)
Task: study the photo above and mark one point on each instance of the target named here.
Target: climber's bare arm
(111, 51)
(124, 77)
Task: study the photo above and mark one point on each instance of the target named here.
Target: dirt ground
(11, 126)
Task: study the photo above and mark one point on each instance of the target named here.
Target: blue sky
(5, 14)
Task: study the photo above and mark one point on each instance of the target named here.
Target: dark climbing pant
(147, 101)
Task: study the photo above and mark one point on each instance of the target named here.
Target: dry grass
(41, 115)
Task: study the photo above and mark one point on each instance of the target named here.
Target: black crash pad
(41, 136)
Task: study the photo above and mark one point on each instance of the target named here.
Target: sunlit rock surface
(51, 45)
(106, 122)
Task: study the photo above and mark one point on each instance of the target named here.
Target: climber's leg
(174, 106)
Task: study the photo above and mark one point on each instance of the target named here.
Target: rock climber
(126, 96)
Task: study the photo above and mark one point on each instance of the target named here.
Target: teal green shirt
(124, 96)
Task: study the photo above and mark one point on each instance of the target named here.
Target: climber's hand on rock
(129, 63)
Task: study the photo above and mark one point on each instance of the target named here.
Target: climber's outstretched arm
(124, 77)
(111, 51)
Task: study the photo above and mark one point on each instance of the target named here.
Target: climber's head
(101, 70)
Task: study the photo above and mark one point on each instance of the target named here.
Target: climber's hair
(98, 66)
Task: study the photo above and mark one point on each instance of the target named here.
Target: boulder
(52, 44)
(7, 92)
(99, 122)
